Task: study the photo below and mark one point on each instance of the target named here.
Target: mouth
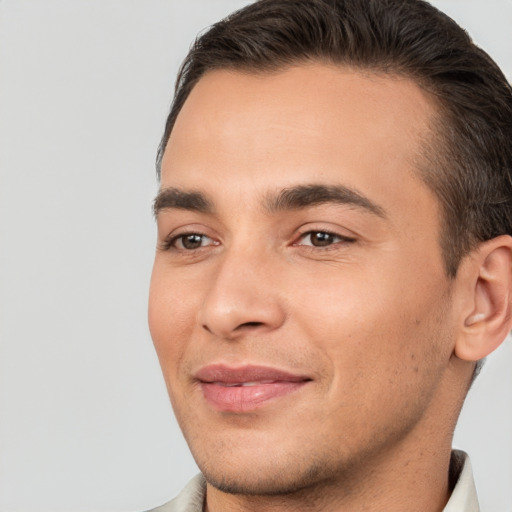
(244, 384)
(244, 389)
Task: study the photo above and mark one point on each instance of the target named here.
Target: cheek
(171, 317)
(171, 322)
(384, 355)
(374, 327)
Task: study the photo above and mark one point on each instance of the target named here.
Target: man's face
(299, 305)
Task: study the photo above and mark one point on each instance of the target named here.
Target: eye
(322, 239)
(190, 241)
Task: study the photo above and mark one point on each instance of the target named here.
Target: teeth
(243, 384)
(260, 382)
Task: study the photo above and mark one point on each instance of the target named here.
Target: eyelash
(331, 246)
(170, 242)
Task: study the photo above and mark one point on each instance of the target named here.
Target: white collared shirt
(464, 497)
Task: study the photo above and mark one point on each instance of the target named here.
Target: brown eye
(191, 241)
(322, 239)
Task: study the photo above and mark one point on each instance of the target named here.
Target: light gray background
(85, 423)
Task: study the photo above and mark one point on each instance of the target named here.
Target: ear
(485, 280)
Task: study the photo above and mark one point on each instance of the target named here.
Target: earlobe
(486, 319)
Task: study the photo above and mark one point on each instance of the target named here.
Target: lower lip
(246, 398)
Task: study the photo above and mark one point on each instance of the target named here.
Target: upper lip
(246, 373)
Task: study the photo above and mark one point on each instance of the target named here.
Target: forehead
(308, 123)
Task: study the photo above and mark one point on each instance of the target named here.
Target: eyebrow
(183, 200)
(304, 196)
(292, 198)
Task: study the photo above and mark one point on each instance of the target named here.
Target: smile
(242, 390)
(245, 384)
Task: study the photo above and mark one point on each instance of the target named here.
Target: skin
(370, 317)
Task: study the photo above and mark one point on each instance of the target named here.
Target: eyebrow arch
(181, 199)
(304, 196)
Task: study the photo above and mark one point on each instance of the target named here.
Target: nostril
(239, 328)
(250, 324)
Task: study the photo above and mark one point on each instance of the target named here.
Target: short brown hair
(469, 164)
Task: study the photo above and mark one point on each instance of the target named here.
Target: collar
(464, 497)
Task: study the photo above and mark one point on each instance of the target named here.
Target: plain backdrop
(85, 423)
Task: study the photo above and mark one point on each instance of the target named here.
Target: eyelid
(167, 242)
(308, 230)
(180, 239)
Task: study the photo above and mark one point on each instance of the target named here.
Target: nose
(244, 296)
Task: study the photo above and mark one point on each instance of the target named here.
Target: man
(334, 255)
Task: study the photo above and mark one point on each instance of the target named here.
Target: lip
(246, 388)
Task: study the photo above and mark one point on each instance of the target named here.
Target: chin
(264, 473)
(270, 483)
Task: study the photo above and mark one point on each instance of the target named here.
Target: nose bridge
(243, 294)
